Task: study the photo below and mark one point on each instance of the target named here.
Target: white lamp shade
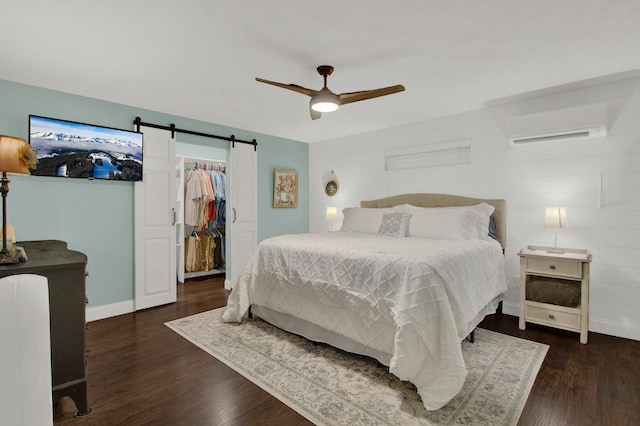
(555, 217)
(331, 213)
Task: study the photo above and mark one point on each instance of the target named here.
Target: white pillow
(450, 223)
(362, 219)
(484, 212)
(394, 224)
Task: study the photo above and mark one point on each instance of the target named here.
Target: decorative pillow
(394, 224)
(362, 219)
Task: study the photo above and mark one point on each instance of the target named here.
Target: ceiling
(199, 58)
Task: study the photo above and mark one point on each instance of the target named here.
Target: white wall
(530, 178)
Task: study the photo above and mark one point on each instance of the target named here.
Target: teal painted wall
(289, 155)
(96, 217)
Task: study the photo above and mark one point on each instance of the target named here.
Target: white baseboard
(509, 308)
(106, 311)
(614, 329)
(227, 284)
(595, 324)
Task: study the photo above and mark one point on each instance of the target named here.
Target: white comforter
(430, 292)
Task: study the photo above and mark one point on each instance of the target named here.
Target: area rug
(332, 387)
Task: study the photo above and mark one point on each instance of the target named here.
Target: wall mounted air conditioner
(557, 125)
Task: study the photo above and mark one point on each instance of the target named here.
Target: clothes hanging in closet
(204, 198)
(199, 252)
(204, 187)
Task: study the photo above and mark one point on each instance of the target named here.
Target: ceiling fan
(324, 100)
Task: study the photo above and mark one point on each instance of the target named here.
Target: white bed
(407, 302)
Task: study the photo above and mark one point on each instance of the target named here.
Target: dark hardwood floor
(143, 373)
(593, 384)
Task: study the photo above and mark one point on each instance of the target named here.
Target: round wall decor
(331, 188)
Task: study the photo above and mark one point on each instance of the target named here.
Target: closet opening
(201, 217)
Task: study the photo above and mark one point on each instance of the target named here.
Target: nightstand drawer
(553, 317)
(558, 267)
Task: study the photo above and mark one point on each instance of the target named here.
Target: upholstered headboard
(446, 200)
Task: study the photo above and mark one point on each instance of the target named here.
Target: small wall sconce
(555, 217)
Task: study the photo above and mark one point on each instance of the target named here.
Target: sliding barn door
(242, 216)
(155, 218)
(179, 225)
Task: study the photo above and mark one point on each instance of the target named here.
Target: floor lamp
(16, 156)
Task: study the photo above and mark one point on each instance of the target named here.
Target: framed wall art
(285, 188)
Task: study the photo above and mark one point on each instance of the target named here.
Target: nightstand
(554, 288)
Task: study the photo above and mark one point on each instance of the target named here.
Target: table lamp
(555, 217)
(16, 157)
(331, 214)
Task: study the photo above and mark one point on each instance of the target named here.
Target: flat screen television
(79, 150)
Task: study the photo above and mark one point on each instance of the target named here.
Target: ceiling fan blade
(347, 98)
(294, 87)
(314, 114)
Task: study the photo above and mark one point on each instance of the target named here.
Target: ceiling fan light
(324, 106)
(324, 103)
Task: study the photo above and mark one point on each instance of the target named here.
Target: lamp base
(8, 257)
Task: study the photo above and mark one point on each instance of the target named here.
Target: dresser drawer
(558, 267)
(552, 317)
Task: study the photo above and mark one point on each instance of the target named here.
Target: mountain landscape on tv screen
(68, 155)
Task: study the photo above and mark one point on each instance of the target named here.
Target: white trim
(106, 311)
(508, 308)
(434, 155)
(614, 329)
(511, 308)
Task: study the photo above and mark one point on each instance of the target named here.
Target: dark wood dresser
(65, 270)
